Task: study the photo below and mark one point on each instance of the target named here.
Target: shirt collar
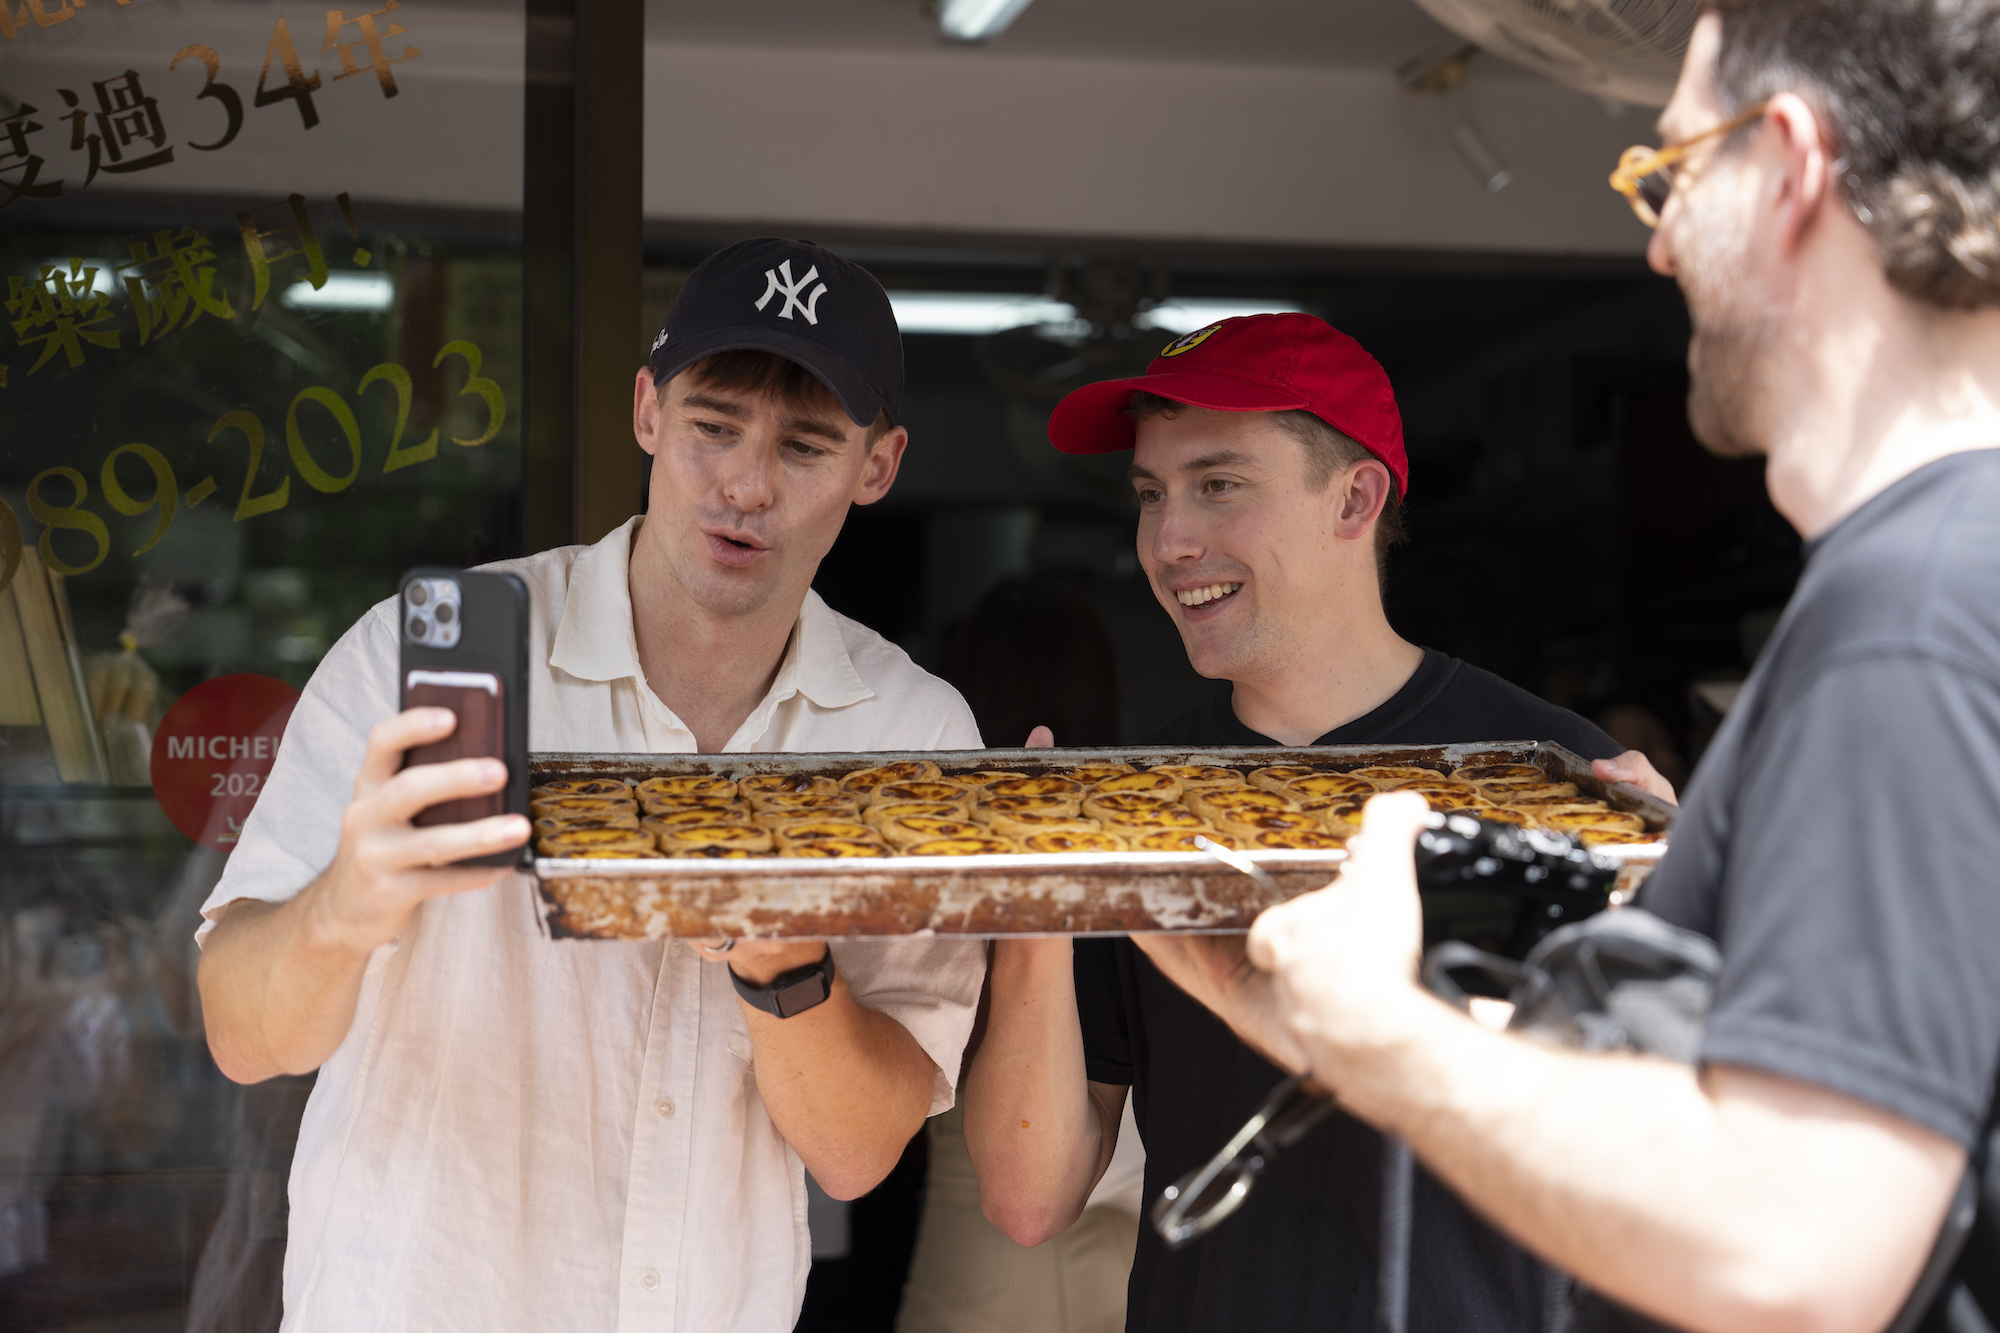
(595, 640)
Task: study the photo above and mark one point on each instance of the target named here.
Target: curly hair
(1912, 91)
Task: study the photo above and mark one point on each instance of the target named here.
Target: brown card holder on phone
(476, 697)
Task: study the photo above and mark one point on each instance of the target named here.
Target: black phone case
(493, 638)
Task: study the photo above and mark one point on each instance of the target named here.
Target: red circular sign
(213, 751)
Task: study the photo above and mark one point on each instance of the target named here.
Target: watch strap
(790, 993)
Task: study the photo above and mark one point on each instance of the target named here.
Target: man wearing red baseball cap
(1269, 468)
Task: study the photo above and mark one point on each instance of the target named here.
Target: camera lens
(444, 613)
(419, 627)
(418, 594)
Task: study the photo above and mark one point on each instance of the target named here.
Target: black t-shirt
(1300, 1253)
(1841, 839)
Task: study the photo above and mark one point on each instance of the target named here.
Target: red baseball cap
(1253, 363)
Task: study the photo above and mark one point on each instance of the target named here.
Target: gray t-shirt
(1841, 838)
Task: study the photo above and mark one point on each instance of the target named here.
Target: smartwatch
(792, 992)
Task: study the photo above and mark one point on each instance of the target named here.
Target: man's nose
(1173, 536)
(747, 481)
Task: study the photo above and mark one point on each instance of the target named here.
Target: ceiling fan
(1630, 50)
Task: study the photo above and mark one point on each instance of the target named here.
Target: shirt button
(665, 1108)
(650, 1281)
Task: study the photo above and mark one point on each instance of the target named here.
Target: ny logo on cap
(790, 290)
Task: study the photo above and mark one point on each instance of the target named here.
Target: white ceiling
(1352, 34)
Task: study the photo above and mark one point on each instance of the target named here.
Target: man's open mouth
(1214, 592)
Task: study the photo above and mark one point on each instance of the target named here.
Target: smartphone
(465, 647)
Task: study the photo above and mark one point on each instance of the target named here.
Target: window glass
(260, 353)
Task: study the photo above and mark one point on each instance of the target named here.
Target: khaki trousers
(967, 1277)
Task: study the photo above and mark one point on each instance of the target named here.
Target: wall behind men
(978, 141)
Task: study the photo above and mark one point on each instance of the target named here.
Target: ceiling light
(977, 20)
(342, 291)
(1186, 314)
(975, 312)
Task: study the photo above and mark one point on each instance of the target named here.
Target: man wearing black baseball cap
(507, 1134)
(1269, 468)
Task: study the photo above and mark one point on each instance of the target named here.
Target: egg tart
(1600, 821)
(716, 854)
(984, 812)
(965, 845)
(1242, 824)
(875, 816)
(1322, 785)
(1276, 776)
(836, 848)
(583, 787)
(1500, 773)
(1607, 837)
(1043, 786)
(1541, 813)
(1211, 803)
(1160, 819)
(698, 812)
(975, 779)
(911, 829)
(935, 793)
(1092, 774)
(1387, 775)
(1115, 805)
(1200, 777)
(666, 805)
(676, 841)
(1506, 790)
(548, 824)
(791, 784)
(688, 786)
(813, 830)
(1177, 840)
(1069, 841)
(596, 842)
(1020, 823)
(787, 804)
(863, 781)
(1340, 818)
(1163, 785)
(582, 807)
(1299, 840)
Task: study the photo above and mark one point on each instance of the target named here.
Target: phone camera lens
(419, 628)
(418, 594)
(444, 613)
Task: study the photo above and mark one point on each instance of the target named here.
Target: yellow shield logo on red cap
(1187, 342)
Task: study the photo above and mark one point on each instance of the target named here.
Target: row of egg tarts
(912, 808)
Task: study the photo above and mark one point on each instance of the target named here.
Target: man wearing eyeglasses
(1828, 205)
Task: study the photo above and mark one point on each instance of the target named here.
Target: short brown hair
(1911, 89)
(1327, 451)
(749, 370)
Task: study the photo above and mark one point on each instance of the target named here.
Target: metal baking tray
(1022, 894)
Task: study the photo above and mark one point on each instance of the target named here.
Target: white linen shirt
(524, 1134)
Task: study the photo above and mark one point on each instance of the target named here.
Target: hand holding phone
(464, 648)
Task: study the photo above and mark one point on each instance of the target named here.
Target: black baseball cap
(796, 300)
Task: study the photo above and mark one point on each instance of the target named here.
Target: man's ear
(1360, 494)
(1805, 182)
(646, 411)
(885, 459)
